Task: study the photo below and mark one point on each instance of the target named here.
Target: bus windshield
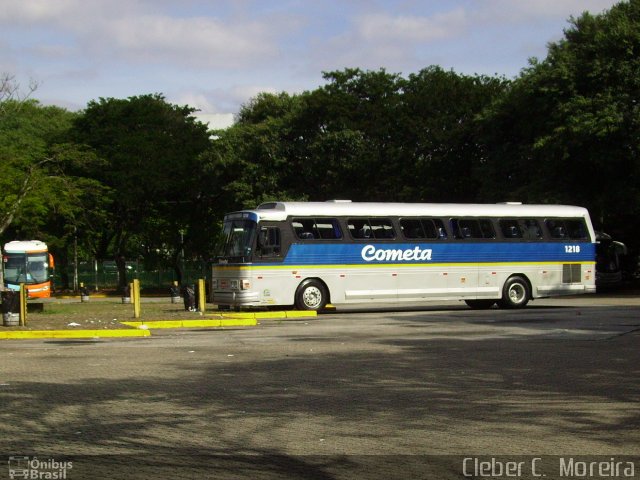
(237, 240)
(26, 268)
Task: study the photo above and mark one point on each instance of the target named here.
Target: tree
(38, 198)
(316, 145)
(252, 161)
(26, 129)
(366, 135)
(147, 157)
(11, 96)
(358, 133)
(439, 134)
(569, 128)
(29, 160)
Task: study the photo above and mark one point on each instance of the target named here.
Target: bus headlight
(214, 284)
(235, 284)
(245, 285)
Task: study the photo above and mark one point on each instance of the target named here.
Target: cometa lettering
(370, 253)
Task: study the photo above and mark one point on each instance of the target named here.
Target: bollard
(24, 294)
(201, 296)
(136, 298)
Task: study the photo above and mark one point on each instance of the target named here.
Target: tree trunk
(122, 271)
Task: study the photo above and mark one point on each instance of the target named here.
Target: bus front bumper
(236, 298)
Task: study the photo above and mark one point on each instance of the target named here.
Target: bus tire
(480, 304)
(311, 295)
(516, 293)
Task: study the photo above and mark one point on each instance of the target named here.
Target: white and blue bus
(309, 254)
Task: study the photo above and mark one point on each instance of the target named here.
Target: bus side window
(442, 231)
(576, 229)
(486, 227)
(423, 228)
(470, 229)
(412, 228)
(531, 229)
(317, 228)
(382, 228)
(304, 228)
(556, 228)
(269, 242)
(359, 228)
(510, 229)
(429, 228)
(328, 228)
(366, 228)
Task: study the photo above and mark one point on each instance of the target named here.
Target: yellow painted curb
(26, 334)
(246, 322)
(301, 313)
(237, 315)
(269, 315)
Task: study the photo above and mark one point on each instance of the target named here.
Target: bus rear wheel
(515, 293)
(311, 295)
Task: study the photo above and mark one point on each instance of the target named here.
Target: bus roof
(281, 210)
(22, 246)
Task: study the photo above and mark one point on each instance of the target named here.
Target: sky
(215, 55)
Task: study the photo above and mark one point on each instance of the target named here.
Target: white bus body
(309, 254)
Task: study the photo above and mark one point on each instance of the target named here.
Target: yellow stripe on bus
(396, 265)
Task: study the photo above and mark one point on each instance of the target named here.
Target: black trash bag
(10, 301)
(196, 299)
(189, 295)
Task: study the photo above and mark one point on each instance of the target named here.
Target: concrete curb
(267, 315)
(153, 324)
(236, 319)
(142, 328)
(31, 334)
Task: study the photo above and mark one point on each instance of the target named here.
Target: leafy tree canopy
(147, 158)
(568, 130)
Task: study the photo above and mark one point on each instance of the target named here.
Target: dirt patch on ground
(100, 313)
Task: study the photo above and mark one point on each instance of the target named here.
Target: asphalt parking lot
(359, 393)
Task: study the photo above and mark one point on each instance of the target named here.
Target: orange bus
(28, 262)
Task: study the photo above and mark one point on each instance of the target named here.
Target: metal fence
(104, 276)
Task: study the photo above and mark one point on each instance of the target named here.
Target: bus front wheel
(311, 295)
(515, 294)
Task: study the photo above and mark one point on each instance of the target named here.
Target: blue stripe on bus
(351, 254)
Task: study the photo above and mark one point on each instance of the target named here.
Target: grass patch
(99, 314)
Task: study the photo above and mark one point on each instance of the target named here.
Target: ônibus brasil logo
(370, 253)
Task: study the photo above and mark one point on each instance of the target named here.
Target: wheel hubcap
(312, 297)
(516, 293)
